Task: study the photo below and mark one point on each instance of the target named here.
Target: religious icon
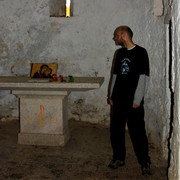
(43, 70)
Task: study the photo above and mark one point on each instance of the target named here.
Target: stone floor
(85, 157)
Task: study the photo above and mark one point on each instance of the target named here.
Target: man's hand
(135, 106)
(110, 101)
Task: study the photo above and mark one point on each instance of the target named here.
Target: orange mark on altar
(41, 109)
(41, 117)
(54, 120)
(28, 118)
(40, 121)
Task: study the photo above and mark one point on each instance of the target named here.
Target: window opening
(61, 8)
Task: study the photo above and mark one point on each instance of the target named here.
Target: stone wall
(82, 46)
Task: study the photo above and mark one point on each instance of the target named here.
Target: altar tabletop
(27, 83)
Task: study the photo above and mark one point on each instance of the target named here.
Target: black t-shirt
(129, 64)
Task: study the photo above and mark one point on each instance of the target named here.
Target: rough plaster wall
(174, 170)
(83, 46)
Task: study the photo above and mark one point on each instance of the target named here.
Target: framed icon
(43, 70)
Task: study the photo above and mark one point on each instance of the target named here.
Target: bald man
(130, 76)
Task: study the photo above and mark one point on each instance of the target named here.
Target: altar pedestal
(43, 107)
(43, 117)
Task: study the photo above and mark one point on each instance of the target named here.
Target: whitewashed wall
(83, 46)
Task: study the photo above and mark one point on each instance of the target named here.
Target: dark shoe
(114, 164)
(145, 168)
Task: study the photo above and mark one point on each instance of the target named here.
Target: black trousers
(136, 126)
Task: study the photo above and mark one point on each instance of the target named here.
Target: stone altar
(43, 107)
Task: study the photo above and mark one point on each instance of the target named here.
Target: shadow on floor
(85, 157)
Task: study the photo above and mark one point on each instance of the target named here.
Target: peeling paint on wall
(158, 8)
(3, 51)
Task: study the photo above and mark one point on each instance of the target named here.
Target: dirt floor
(85, 157)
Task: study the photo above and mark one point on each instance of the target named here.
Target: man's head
(123, 35)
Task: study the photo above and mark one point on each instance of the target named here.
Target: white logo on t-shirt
(125, 66)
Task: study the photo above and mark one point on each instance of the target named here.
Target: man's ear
(124, 36)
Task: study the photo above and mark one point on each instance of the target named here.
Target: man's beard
(121, 44)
